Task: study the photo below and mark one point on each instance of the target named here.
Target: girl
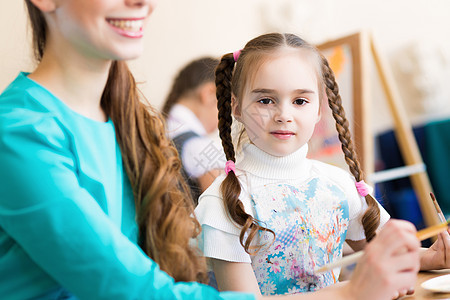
(90, 205)
(191, 110)
(277, 215)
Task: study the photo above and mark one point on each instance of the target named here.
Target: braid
(230, 187)
(224, 73)
(371, 217)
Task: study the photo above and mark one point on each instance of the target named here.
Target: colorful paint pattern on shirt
(310, 222)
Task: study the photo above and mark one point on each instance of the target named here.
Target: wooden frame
(405, 138)
(357, 108)
(363, 49)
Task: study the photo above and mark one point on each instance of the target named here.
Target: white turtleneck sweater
(312, 207)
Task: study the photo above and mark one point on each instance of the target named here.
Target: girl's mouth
(282, 134)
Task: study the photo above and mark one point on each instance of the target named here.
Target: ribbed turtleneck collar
(262, 164)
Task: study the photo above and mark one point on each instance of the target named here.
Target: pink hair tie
(236, 55)
(362, 188)
(229, 166)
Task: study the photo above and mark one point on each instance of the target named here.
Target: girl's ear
(319, 114)
(323, 100)
(44, 5)
(236, 111)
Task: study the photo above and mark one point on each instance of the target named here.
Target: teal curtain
(437, 145)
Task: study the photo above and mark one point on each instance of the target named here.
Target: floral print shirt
(310, 223)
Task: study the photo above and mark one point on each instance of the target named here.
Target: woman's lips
(128, 27)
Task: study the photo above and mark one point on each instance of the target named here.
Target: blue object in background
(398, 196)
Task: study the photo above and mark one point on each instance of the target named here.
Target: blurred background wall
(412, 34)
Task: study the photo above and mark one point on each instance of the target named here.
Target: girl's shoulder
(211, 209)
(332, 173)
(341, 178)
(213, 191)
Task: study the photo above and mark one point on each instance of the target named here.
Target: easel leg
(407, 143)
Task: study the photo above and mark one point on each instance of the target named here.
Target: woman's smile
(128, 27)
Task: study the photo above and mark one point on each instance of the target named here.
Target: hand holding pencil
(438, 255)
(353, 258)
(421, 235)
(389, 265)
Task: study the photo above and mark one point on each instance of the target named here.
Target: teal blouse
(67, 218)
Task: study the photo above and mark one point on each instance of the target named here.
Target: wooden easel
(364, 48)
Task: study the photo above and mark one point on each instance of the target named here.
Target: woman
(90, 205)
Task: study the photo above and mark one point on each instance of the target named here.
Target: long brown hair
(163, 206)
(189, 78)
(232, 78)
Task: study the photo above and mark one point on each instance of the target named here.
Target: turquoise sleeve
(63, 229)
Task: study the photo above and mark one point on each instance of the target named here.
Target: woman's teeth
(129, 25)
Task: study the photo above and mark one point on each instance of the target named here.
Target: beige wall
(183, 29)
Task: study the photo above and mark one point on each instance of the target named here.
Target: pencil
(353, 258)
(438, 208)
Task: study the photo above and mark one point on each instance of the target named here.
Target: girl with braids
(276, 215)
(191, 114)
(91, 206)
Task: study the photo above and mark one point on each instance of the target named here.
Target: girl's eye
(300, 101)
(265, 101)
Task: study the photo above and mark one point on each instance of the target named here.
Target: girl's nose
(283, 114)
